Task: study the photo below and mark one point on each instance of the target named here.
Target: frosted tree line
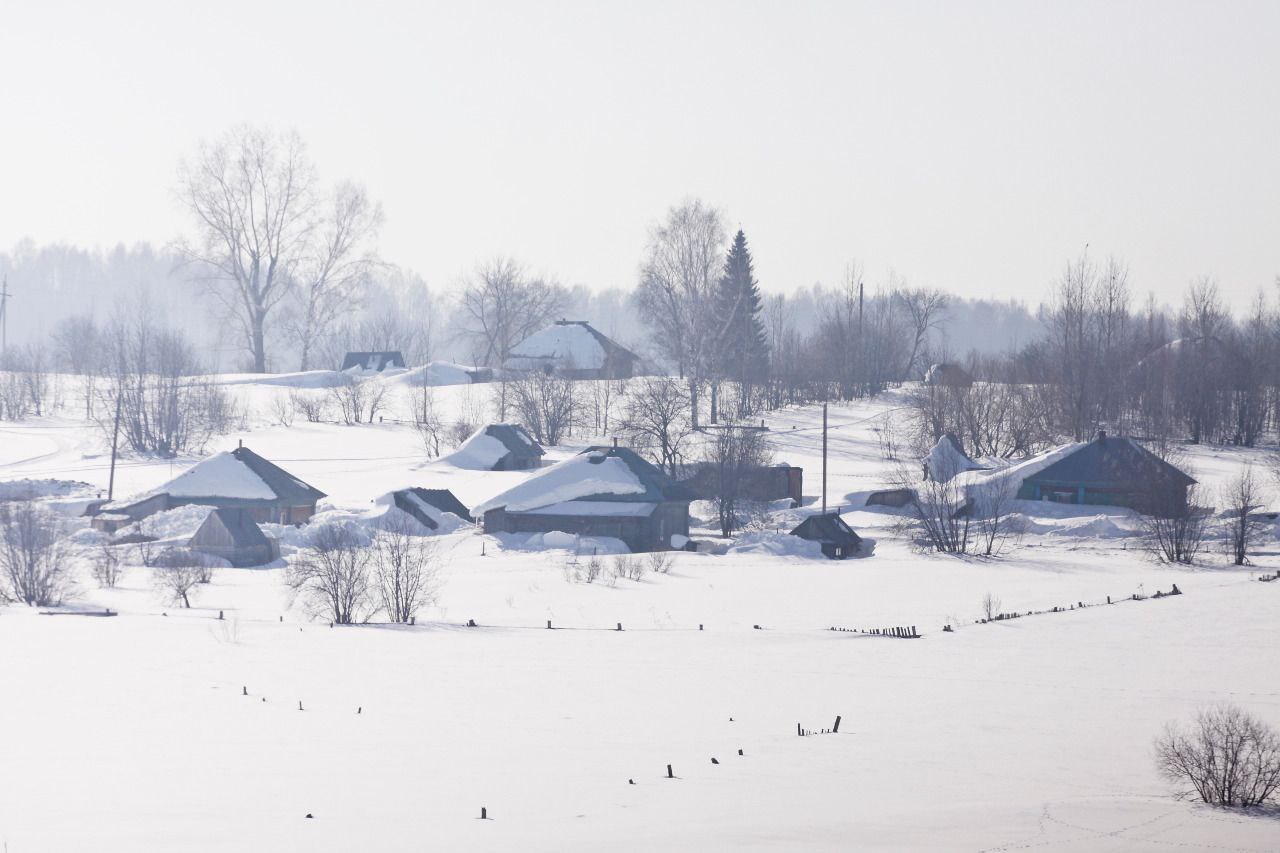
(289, 267)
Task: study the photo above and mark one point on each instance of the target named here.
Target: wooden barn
(372, 361)
(236, 479)
(767, 483)
(425, 505)
(233, 535)
(1110, 471)
(603, 491)
(573, 349)
(837, 538)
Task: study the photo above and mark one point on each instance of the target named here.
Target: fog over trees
(272, 269)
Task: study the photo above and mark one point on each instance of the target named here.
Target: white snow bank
(480, 452)
(222, 475)
(558, 540)
(26, 490)
(576, 477)
(435, 373)
(178, 523)
(305, 379)
(776, 544)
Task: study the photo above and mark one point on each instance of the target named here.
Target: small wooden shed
(838, 540)
(233, 535)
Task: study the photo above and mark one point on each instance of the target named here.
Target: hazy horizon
(973, 148)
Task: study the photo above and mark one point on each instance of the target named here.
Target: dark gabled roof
(288, 488)
(1111, 461)
(658, 486)
(442, 499)
(379, 360)
(245, 532)
(516, 439)
(829, 528)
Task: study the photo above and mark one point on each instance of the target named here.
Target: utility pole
(824, 458)
(115, 436)
(862, 346)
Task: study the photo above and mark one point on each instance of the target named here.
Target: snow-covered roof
(586, 475)
(1009, 478)
(945, 460)
(222, 475)
(237, 475)
(608, 474)
(489, 444)
(573, 344)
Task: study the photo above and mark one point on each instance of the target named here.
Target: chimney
(241, 443)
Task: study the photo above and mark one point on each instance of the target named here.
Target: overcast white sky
(971, 146)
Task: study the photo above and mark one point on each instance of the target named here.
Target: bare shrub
(313, 407)
(33, 557)
(627, 567)
(940, 516)
(332, 575)
(426, 419)
(406, 568)
(990, 505)
(177, 574)
(107, 567)
(1175, 531)
(1230, 757)
(991, 606)
(592, 569)
(358, 401)
(659, 562)
(282, 411)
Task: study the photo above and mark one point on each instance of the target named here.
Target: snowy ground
(132, 733)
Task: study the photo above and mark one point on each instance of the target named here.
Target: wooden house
(236, 479)
(1110, 471)
(426, 505)
(603, 492)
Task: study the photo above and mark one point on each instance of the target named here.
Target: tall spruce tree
(741, 345)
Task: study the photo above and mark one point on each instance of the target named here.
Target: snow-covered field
(133, 733)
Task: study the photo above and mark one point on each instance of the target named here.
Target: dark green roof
(1111, 462)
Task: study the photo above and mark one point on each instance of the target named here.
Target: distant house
(376, 361)
(573, 349)
(426, 505)
(767, 483)
(498, 447)
(238, 479)
(837, 538)
(1110, 471)
(603, 491)
(948, 375)
(233, 535)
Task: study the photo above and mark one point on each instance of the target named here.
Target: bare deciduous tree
(177, 575)
(406, 567)
(678, 280)
(332, 575)
(1242, 498)
(734, 455)
(107, 566)
(262, 229)
(1174, 529)
(656, 420)
(1230, 757)
(33, 558)
(548, 405)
